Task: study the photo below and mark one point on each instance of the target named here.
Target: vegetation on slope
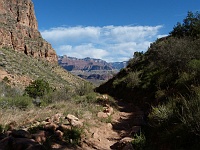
(27, 109)
(22, 69)
(165, 82)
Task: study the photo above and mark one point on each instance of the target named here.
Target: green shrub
(161, 113)
(21, 102)
(91, 97)
(84, 88)
(1, 128)
(117, 82)
(132, 79)
(190, 113)
(57, 95)
(37, 88)
(159, 94)
(183, 78)
(194, 65)
(139, 141)
(8, 91)
(6, 80)
(73, 136)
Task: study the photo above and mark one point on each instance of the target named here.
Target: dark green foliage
(189, 27)
(38, 88)
(6, 80)
(1, 129)
(176, 123)
(139, 141)
(73, 136)
(168, 87)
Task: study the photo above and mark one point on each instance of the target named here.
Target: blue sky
(111, 30)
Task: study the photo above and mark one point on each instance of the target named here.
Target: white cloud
(160, 36)
(82, 51)
(110, 43)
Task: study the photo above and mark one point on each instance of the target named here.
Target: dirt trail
(125, 122)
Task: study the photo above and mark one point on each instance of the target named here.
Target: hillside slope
(24, 55)
(21, 69)
(165, 83)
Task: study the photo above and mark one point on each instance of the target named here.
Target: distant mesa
(90, 68)
(88, 64)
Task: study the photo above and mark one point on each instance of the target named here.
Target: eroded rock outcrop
(19, 30)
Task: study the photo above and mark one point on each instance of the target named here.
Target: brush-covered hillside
(165, 82)
(19, 70)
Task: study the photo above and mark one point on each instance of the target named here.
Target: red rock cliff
(19, 30)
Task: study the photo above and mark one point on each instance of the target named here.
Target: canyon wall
(19, 30)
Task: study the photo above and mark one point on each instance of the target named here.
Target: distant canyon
(91, 69)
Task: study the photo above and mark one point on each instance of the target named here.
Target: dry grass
(21, 69)
(84, 110)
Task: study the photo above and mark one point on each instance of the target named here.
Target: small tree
(37, 88)
(189, 27)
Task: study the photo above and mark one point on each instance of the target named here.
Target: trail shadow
(130, 121)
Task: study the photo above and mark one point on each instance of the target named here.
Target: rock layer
(19, 30)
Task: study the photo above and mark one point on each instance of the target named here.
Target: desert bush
(91, 97)
(84, 88)
(161, 113)
(118, 82)
(194, 67)
(73, 136)
(1, 128)
(184, 77)
(21, 102)
(6, 80)
(132, 79)
(56, 95)
(176, 122)
(139, 141)
(160, 94)
(190, 113)
(37, 88)
(7, 91)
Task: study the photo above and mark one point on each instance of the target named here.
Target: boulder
(21, 134)
(51, 127)
(40, 136)
(102, 115)
(59, 134)
(74, 121)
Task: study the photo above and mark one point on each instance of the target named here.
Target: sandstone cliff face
(19, 30)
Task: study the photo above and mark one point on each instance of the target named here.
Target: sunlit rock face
(19, 30)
